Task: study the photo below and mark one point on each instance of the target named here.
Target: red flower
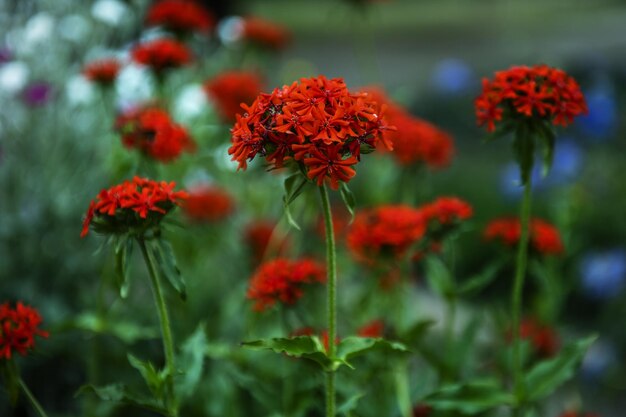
(544, 238)
(537, 92)
(19, 326)
(103, 72)
(230, 89)
(154, 133)
(281, 280)
(578, 414)
(162, 54)
(265, 33)
(258, 237)
(208, 204)
(447, 210)
(132, 206)
(543, 339)
(422, 410)
(315, 122)
(181, 16)
(385, 231)
(374, 328)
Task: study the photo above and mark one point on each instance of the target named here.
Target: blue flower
(452, 76)
(602, 117)
(603, 273)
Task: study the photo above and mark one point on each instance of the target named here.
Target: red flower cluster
(18, 328)
(208, 204)
(422, 410)
(264, 33)
(154, 133)
(375, 328)
(103, 72)
(544, 238)
(258, 236)
(132, 205)
(447, 211)
(181, 16)
(578, 414)
(162, 54)
(385, 231)
(281, 280)
(232, 88)
(414, 140)
(315, 122)
(529, 92)
(543, 339)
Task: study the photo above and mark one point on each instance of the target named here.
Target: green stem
(403, 394)
(168, 340)
(518, 286)
(31, 398)
(331, 266)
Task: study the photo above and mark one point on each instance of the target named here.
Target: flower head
(522, 92)
(385, 231)
(262, 236)
(154, 133)
(282, 280)
(208, 204)
(37, 94)
(180, 16)
(231, 89)
(543, 339)
(18, 328)
(374, 328)
(544, 238)
(264, 33)
(132, 207)
(315, 123)
(162, 54)
(103, 72)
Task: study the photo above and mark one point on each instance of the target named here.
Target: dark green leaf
(524, 150)
(471, 397)
(154, 379)
(350, 405)
(294, 185)
(479, 281)
(348, 199)
(547, 376)
(292, 222)
(164, 254)
(417, 330)
(354, 346)
(439, 277)
(123, 329)
(308, 347)
(123, 252)
(547, 137)
(119, 394)
(191, 362)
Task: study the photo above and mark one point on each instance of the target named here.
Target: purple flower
(603, 273)
(5, 55)
(37, 94)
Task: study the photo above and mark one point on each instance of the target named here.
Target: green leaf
(479, 281)
(294, 185)
(354, 346)
(124, 330)
(417, 330)
(191, 362)
(308, 347)
(350, 404)
(524, 151)
(164, 254)
(123, 252)
(154, 379)
(120, 394)
(348, 199)
(439, 277)
(547, 137)
(548, 375)
(471, 397)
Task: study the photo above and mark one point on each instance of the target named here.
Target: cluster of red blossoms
(374, 328)
(232, 88)
(264, 33)
(18, 328)
(544, 237)
(530, 92)
(162, 54)
(180, 16)
(132, 205)
(258, 237)
(578, 414)
(415, 140)
(154, 133)
(103, 72)
(392, 230)
(543, 339)
(316, 122)
(208, 204)
(281, 280)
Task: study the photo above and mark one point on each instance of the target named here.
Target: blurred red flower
(258, 236)
(281, 280)
(544, 340)
(539, 92)
(374, 328)
(447, 210)
(232, 88)
(265, 33)
(422, 410)
(132, 206)
(154, 133)
(208, 204)
(18, 328)
(180, 16)
(544, 238)
(162, 54)
(578, 414)
(103, 72)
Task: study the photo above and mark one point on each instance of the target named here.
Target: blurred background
(58, 149)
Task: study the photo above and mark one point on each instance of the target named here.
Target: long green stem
(518, 286)
(31, 398)
(331, 266)
(168, 340)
